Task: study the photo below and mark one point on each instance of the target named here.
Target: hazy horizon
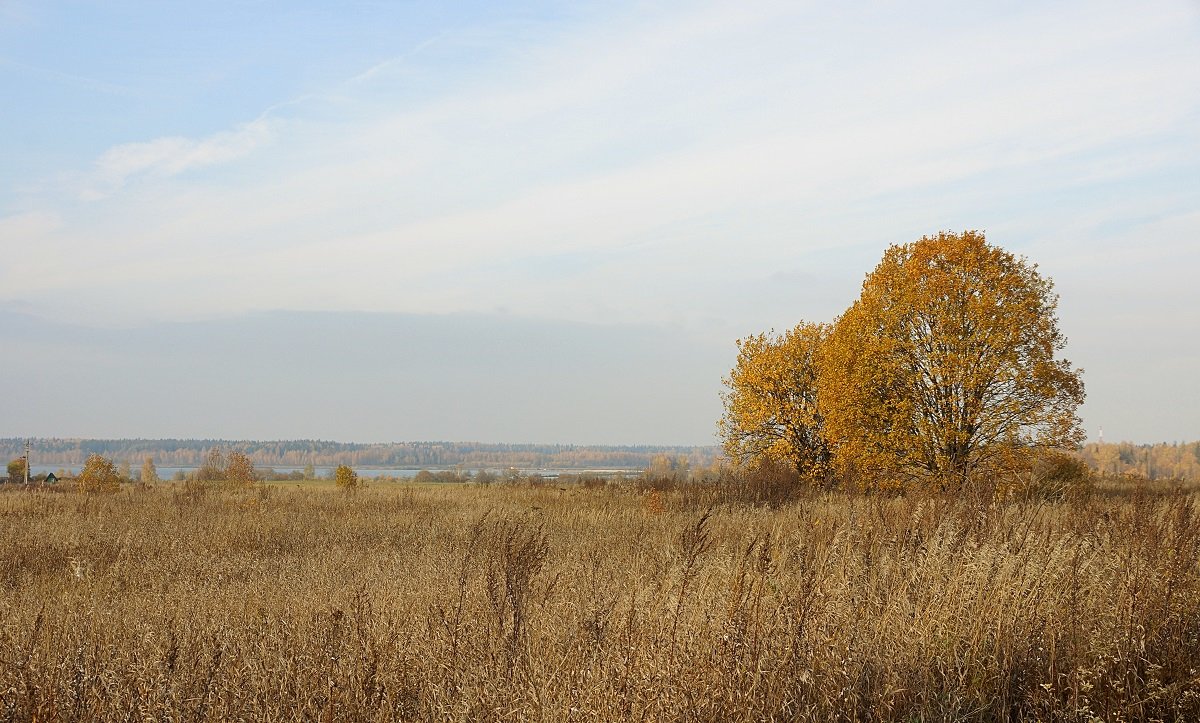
(397, 377)
(392, 377)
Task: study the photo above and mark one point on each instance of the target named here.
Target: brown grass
(596, 603)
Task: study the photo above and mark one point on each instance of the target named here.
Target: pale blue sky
(690, 172)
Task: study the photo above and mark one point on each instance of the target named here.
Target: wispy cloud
(394, 64)
(174, 155)
(723, 139)
(73, 79)
(31, 224)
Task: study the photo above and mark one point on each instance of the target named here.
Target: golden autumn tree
(99, 474)
(946, 365)
(16, 470)
(771, 406)
(239, 470)
(149, 472)
(346, 478)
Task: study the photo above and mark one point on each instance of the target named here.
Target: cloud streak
(174, 155)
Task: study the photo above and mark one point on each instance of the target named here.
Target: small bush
(99, 475)
(593, 481)
(346, 478)
(239, 470)
(765, 483)
(1058, 475)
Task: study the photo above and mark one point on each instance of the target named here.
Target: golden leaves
(239, 470)
(99, 474)
(771, 408)
(345, 477)
(944, 364)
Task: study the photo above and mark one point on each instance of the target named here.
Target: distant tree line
(1174, 460)
(413, 455)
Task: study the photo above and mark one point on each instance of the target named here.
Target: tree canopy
(771, 406)
(345, 477)
(945, 366)
(149, 471)
(99, 474)
(239, 470)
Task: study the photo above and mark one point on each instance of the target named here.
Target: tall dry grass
(596, 603)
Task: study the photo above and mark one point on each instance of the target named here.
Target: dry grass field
(461, 603)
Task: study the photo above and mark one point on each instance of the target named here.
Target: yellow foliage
(771, 406)
(346, 478)
(99, 474)
(946, 364)
(1176, 460)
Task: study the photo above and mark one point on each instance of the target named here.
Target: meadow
(597, 602)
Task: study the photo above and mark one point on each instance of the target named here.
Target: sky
(549, 222)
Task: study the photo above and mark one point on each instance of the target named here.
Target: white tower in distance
(1100, 439)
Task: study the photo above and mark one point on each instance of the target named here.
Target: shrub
(1059, 475)
(16, 470)
(346, 478)
(1049, 475)
(99, 474)
(765, 482)
(239, 470)
(213, 467)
